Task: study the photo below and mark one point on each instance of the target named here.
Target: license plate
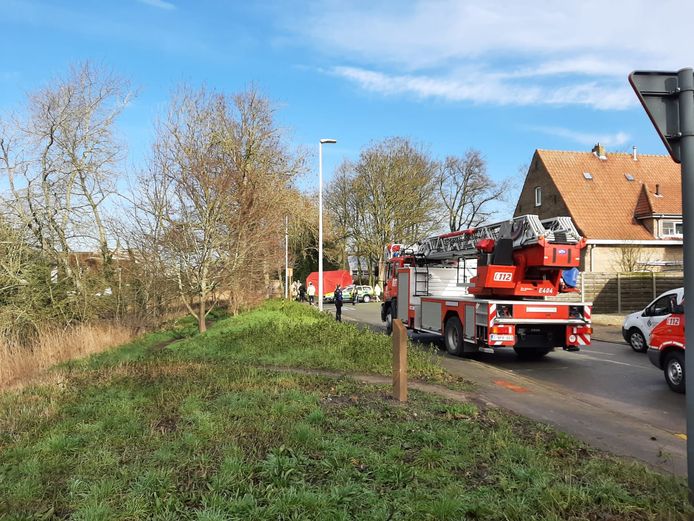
(501, 338)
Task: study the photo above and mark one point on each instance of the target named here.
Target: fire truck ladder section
(524, 231)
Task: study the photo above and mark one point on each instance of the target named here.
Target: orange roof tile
(643, 204)
(604, 206)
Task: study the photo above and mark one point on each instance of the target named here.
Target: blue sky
(505, 77)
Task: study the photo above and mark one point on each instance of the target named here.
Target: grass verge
(19, 363)
(196, 430)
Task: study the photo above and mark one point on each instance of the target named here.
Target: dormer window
(538, 196)
(672, 229)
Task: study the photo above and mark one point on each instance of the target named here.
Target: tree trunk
(202, 327)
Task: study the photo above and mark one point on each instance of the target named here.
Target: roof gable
(603, 196)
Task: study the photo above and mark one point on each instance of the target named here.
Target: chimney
(657, 190)
(633, 153)
(599, 151)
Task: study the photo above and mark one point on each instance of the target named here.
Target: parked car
(638, 326)
(364, 293)
(666, 348)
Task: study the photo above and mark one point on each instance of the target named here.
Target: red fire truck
(491, 287)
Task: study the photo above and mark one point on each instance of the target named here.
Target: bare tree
(387, 195)
(218, 189)
(61, 162)
(466, 190)
(631, 257)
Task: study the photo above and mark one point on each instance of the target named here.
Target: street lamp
(320, 220)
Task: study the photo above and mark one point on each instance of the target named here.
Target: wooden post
(399, 361)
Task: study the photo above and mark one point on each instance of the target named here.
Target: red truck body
(487, 288)
(331, 279)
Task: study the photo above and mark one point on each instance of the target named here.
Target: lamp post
(286, 257)
(320, 220)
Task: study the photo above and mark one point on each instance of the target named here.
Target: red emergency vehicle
(487, 288)
(666, 348)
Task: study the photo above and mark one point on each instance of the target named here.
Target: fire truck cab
(486, 288)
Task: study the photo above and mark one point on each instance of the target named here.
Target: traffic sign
(668, 98)
(659, 92)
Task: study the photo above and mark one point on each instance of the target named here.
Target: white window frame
(674, 223)
(538, 196)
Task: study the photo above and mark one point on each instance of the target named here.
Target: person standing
(311, 293)
(302, 293)
(338, 303)
(377, 292)
(355, 296)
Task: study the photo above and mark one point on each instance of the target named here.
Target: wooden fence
(623, 292)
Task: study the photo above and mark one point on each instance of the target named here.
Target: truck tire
(389, 320)
(673, 367)
(453, 336)
(531, 353)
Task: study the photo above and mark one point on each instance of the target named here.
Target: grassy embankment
(197, 429)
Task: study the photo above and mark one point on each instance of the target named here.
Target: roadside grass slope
(199, 429)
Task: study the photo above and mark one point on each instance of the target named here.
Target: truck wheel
(531, 353)
(366, 299)
(637, 341)
(453, 336)
(673, 367)
(389, 320)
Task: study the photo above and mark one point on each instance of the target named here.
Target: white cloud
(423, 33)
(491, 88)
(160, 4)
(613, 140)
(544, 51)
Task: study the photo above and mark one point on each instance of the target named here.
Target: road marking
(511, 386)
(598, 352)
(612, 361)
(681, 436)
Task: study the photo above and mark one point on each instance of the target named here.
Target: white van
(638, 326)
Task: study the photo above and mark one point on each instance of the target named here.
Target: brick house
(627, 206)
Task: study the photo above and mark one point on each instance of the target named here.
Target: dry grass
(20, 364)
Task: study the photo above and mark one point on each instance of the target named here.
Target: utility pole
(685, 80)
(286, 257)
(320, 219)
(668, 98)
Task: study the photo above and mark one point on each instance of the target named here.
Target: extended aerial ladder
(520, 257)
(523, 231)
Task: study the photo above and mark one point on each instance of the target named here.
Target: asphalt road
(606, 394)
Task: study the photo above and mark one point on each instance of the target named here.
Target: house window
(672, 229)
(538, 196)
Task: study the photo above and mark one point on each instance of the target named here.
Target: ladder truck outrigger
(491, 287)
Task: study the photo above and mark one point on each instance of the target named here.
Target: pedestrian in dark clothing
(302, 293)
(338, 303)
(355, 296)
